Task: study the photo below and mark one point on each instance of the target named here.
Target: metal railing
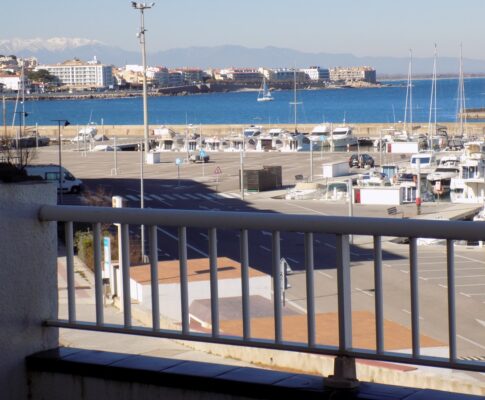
(341, 227)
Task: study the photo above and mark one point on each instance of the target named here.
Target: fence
(341, 227)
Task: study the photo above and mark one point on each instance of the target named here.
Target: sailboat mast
(461, 94)
(294, 96)
(411, 89)
(4, 117)
(432, 103)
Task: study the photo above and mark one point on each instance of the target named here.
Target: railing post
(154, 276)
(71, 289)
(310, 288)
(246, 306)
(414, 279)
(98, 274)
(345, 374)
(125, 271)
(214, 284)
(184, 280)
(277, 288)
(379, 295)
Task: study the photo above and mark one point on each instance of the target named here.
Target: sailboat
(264, 93)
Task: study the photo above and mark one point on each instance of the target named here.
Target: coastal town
(93, 76)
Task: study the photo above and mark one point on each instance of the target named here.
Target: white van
(50, 172)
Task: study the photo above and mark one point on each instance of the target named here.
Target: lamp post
(22, 115)
(65, 123)
(141, 35)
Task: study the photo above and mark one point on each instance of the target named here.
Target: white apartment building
(80, 74)
(365, 74)
(10, 82)
(317, 74)
(239, 74)
(286, 75)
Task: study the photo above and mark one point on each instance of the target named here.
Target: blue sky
(370, 27)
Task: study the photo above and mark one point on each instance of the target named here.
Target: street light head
(152, 4)
(66, 123)
(134, 4)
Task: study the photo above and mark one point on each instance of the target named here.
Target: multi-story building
(175, 78)
(352, 74)
(317, 74)
(240, 74)
(191, 75)
(79, 74)
(286, 75)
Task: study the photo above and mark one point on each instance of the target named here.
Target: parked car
(361, 161)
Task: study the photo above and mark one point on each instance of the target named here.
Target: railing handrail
(437, 229)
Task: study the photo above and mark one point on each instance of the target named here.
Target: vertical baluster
(246, 306)
(277, 287)
(71, 288)
(98, 274)
(310, 288)
(153, 239)
(344, 292)
(413, 275)
(450, 263)
(125, 271)
(184, 280)
(213, 282)
(379, 296)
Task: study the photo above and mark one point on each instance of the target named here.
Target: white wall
(28, 276)
(170, 293)
(380, 195)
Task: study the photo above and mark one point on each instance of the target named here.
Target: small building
(317, 74)
(229, 280)
(10, 82)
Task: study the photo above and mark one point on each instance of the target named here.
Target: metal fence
(341, 227)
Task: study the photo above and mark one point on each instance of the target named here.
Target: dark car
(361, 161)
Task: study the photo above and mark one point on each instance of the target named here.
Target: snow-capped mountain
(54, 44)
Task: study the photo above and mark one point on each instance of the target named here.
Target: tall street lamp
(65, 123)
(141, 35)
(22, 115)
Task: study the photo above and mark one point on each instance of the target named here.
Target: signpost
(178, 161)
(217, 173)
(202, 155)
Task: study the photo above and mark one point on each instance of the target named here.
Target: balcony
(31, 248)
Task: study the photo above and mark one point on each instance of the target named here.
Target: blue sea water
(384, 105)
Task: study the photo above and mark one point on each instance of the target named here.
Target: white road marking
(482, 323)
(366, 292)
(306, 208)
(266, 233)
(191, 196)
(292, 260)
(472, 294)
(409, 312)
(318, 241)
(330, 245)
(169, 197)
(179, 196)
(470, 259)
(325, 275)
(204, 235)
(265, 248)
(445, 277)
(293, 304)
(444, 269)
(204, 196)
(404, 271)
(177, 239)
(132, 198)
(471, 342)
(161, 200)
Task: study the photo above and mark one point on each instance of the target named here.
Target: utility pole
(141, 35)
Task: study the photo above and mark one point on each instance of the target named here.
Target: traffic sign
(202, 153)
(217, 171)
(178, 161)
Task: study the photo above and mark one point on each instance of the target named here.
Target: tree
(42, 75)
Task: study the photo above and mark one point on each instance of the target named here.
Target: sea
(364, 105)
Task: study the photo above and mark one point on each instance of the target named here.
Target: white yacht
(320, 136)
(168, 140)
(440, 178)
(469, 185)
(343, 137)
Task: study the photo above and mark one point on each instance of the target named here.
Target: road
(200, 189)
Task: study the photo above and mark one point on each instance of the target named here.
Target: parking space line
(293, 260)
(445, 277)
(471, 342)
(131, 197)
(409, 312)
(325, 275)
(366, 292)
(264, 248)
(470, 259)
(177, 239)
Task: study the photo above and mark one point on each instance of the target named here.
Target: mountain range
(55, 50)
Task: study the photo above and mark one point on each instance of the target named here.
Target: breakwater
(476, 129)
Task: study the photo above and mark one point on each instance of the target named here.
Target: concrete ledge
(84, 374)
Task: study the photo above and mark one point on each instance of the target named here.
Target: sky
(362, 28)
